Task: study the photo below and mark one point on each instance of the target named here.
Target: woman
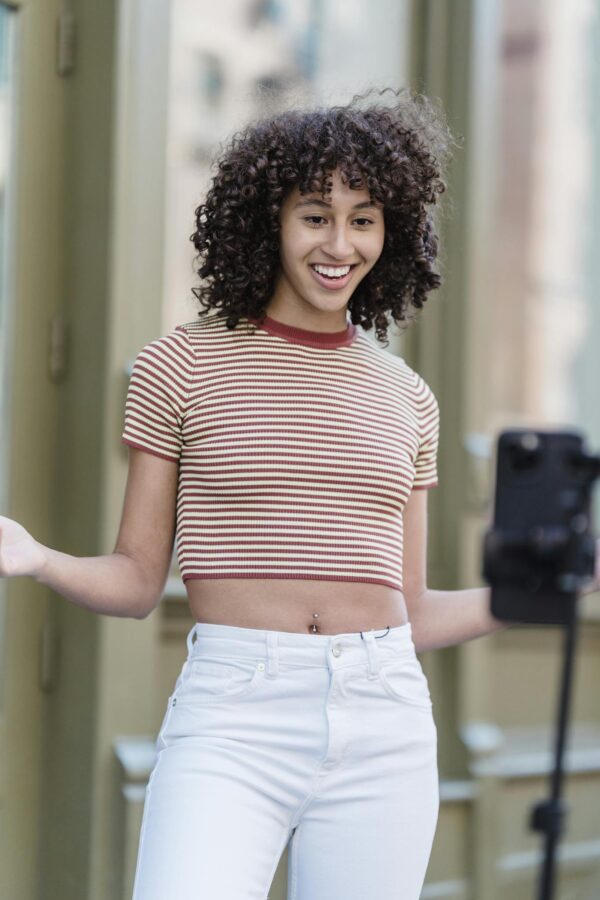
(290, 456)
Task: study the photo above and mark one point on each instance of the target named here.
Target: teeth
(331, 272)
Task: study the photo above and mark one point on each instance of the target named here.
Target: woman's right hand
(20, 553)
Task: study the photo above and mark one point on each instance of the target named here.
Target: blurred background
(110, 116)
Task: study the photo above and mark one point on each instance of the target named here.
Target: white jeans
(269, 735)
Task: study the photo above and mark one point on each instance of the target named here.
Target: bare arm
(444, 618)
(112, 585)
(128, 582)
(438, 618)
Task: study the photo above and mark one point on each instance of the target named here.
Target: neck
(327, 323)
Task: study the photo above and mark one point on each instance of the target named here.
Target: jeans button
(336, 649)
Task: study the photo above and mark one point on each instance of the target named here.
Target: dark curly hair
(398, 152)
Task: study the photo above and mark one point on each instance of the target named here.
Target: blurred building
(111, 118)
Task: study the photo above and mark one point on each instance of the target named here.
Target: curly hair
(398, 152)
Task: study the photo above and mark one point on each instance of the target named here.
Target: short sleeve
(426, 474)
(157, 395)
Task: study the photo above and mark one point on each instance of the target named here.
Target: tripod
(536, 555)
(548, 815)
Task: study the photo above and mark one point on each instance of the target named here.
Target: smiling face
(327, 246)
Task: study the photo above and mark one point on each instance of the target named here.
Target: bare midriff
(282, 604)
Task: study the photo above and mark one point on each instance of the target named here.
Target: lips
(332, 284)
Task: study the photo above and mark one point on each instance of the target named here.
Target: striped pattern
(296, 455)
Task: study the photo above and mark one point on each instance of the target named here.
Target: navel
(313, 627)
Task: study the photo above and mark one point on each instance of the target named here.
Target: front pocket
(213, 680)
(405, 681)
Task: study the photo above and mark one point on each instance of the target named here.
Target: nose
(338, 245)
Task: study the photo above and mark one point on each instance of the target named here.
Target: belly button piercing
(314, 628)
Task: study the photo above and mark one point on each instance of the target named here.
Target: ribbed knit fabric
(297, 449)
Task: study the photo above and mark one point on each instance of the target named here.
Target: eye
(358, 219)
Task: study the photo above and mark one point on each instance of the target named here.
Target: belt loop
(272, 654)
(369, 639)
(190, 638)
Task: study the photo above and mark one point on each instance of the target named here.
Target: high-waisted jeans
(270, 736)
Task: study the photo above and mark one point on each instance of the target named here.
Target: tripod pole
(549, 814)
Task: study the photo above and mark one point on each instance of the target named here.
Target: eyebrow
(366, 204)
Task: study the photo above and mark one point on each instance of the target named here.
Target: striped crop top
(297, 449)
